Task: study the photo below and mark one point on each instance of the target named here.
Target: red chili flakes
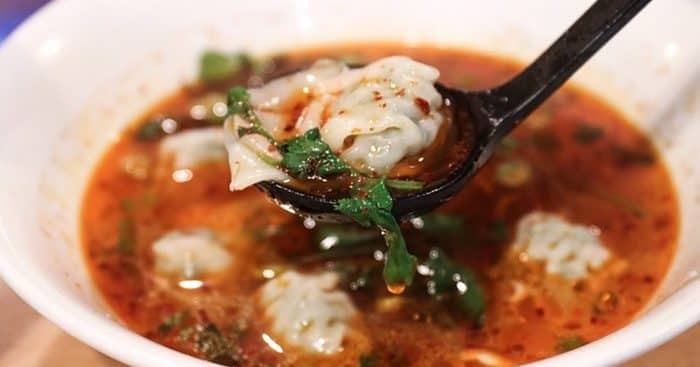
(298, 109)
(662, 222)
(203, 317)
(326, 114)
(572, 325)
(348, 142)
(422, 105)
(401, 92)
(516, 348)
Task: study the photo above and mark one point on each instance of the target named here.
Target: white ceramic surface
(78, 71)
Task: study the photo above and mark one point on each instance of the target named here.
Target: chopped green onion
(443, 225)
(170, 323)
(405, 185)
(453, 280)
(586, 134)
(215, 66)
(352, 59)
(545, 140)
(498, 231)
(507, 145)
(513, 173)
(214, 346)
(151, 130)
(368, 361)
(126, 240)
(569, 343)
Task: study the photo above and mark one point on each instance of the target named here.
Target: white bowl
(78, 71)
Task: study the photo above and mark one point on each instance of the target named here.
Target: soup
(559, 240)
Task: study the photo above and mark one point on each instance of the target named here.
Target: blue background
(13, 12)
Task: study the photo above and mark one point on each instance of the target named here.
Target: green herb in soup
(217, 66)
(372, 206)
(307, 156)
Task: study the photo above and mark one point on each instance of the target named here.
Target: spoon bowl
(493, 113)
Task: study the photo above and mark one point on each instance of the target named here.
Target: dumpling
(372, 117)
(188, 254)
(193, 147)
(392, 112)
(251, 157)
(307, 311)
(569, 250)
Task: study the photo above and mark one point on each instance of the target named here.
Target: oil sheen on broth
(567, 232)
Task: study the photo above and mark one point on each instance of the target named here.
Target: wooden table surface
(29, 340)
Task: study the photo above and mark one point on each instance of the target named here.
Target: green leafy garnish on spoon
(373, 207)
(308, 156)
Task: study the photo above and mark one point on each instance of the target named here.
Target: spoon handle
(508, 104)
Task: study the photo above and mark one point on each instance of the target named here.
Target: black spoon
(494, 112)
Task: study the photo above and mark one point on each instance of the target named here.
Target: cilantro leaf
(356, 208)
(453, 280)
(373, 207)
(400, 265)
(380, 196)
(364, 204)
(216, 66)
(304, 157)
(238, 103)
(308, 156)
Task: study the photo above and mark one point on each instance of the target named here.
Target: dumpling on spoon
(371, 118)
(351, 135)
